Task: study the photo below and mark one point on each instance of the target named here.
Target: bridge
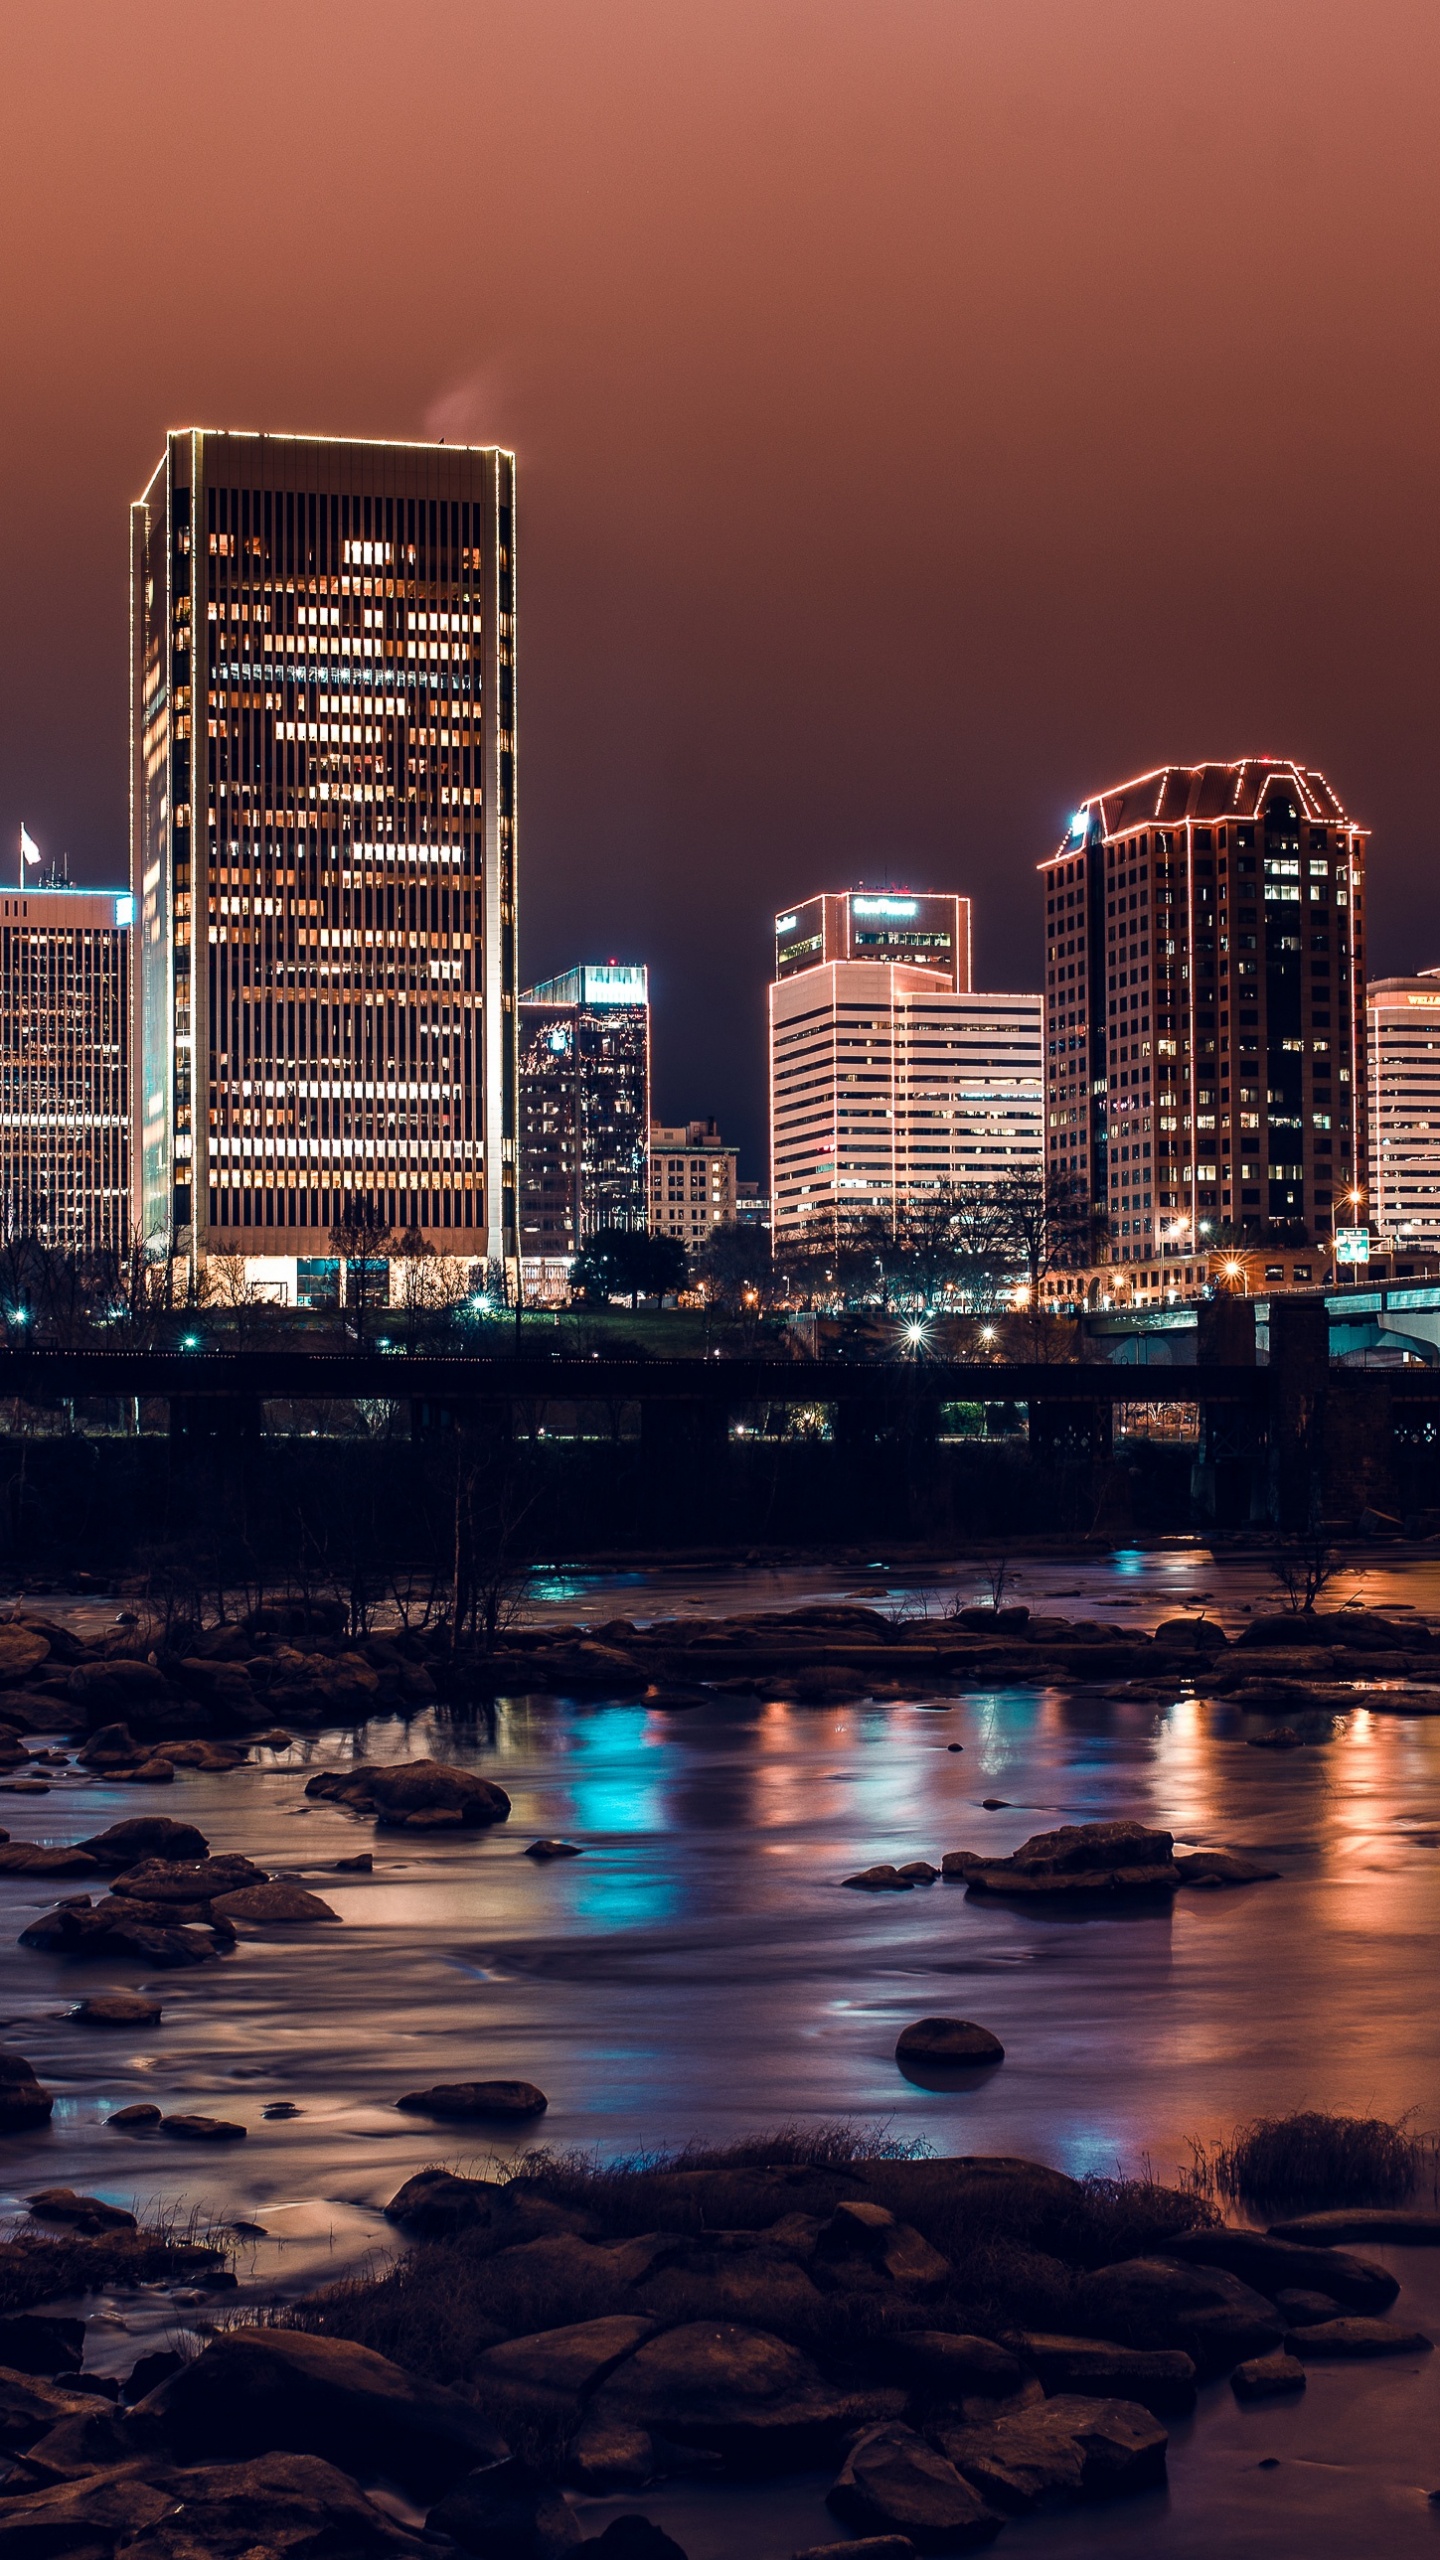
(1278, 1439)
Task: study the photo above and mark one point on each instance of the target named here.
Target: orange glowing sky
(927, 410)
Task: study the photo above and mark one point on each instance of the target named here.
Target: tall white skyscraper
(887, 1084)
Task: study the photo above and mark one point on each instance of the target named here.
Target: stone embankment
(961, 2342)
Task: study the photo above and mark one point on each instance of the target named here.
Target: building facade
(924, 929)
(323, 795)
(1205, 1052)
(1402, 1018)
(584, 1113)
(692, 1181)
(885, 1087)
(64, 1073)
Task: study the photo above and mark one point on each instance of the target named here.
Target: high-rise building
(692, 1181)
(323, 843)
(584, 1112)
(888, 1084)
(1403, 1038)
(1205, 1054)
(922, 929)
(64, 1078)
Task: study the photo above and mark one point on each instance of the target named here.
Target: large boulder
(118, 2009)
(1160, 2302)
(280, 2505)
(1085, 1860)
(1068, 2446)
(1268, 2264)
(730, 2390)
(415, 1792)
(1211, 1869)
(41, 2342)
(894, 2482)
(146, 1835)
(1161, 2379)
(276, 2391)
(866, 2239)
(118, 1928)
(30, 2407)
(1191, 1637)
(87, 2518)
(23, 2103)
(947, 2041)
(88, 2214)
(186, 1879)
(22, 1650)
(507, 2513)
(949, 2366)
(549, 2374)
(731, 2275)
(435, 2204)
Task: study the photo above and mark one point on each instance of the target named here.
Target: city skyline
(846, 556)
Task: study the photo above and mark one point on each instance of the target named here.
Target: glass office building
(323, 814)
(585, 1112)
(64, 1093)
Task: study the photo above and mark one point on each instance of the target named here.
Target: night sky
(928, 412)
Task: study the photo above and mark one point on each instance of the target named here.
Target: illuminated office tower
(887, 1081)
(1403, 1025)
(584, 1113)
(64, 1099)
(914, 929)
(323, 844)
(1204, 991)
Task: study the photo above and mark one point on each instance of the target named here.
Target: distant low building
(584, 1114)
(692, 1181)
(752, 1205)
(64, 1076)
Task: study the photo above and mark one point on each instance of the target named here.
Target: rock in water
(1161, 2379)
(41, 2342)
(23, 2103)
(1086, 1859)
(263, 1904)
(408, 1790)
(186, 2128)
(948, 2040)
(118, 2009)
(947, 2366)
(882, 1879)
(1158, 2302)
(462, 2098)
(276, 2391)
(1065, 2446)
(727, 2389)
(138, 2119)
(89, 2214)
(146, 1835)
(633, 2538)
(504, 2510)
(282, 2503)
(554, 1849)
(1267, 2377)
(435, 2204)
(1358, 2337)
(894, 2482)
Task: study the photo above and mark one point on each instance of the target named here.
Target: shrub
(1312, 2160)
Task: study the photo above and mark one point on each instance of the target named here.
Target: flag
(29, 849)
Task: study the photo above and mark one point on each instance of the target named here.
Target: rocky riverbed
(695, 1965)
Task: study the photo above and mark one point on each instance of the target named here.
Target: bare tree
(361, 1238)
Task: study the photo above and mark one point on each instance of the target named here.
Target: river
(699, 1973)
